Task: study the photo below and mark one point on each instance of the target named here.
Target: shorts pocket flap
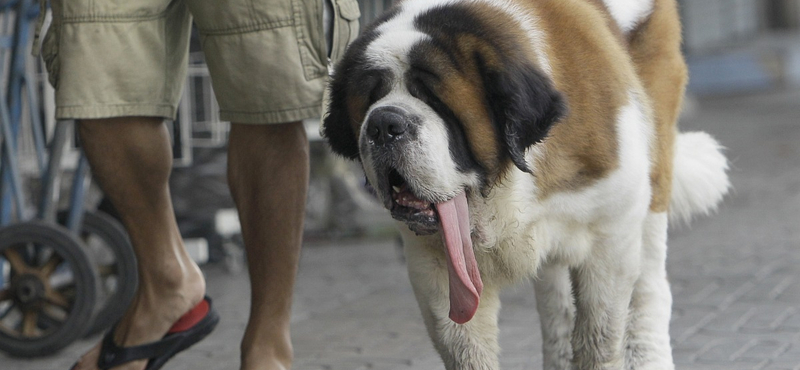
(348, 9)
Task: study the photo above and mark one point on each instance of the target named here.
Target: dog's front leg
(469, 346)
(603, 285)
(556, 313)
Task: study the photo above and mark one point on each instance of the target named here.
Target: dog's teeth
(396, 189)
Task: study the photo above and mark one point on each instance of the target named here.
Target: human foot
(271, 350)
(148, 319)
(266, 360)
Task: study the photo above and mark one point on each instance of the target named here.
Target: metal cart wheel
(48, 292)
(111, 253)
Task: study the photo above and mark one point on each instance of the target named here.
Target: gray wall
(370, 9)
(710, 25)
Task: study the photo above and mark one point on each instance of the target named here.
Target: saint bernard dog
(519, 139)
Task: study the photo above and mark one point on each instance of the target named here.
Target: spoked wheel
(48, 289)
(110, 251)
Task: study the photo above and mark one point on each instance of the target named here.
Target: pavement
(735, 275)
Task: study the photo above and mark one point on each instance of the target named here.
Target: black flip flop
(158, 353)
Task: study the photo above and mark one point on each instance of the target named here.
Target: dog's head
(438, 100)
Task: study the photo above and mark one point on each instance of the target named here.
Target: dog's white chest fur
(516, 230)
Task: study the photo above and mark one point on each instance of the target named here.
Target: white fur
(699, 180)
(629, 13)
(556, 309)
(392, 51)
(648, 342)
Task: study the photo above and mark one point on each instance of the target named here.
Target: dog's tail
(699, 179)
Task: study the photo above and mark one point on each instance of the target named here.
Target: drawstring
(36, 50)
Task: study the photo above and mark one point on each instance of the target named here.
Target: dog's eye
(425, 72)
(368, 82)
(421, 83)
(424, 75)
(375, 85)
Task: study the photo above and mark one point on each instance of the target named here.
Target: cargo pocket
(50, 53)
(345, 27)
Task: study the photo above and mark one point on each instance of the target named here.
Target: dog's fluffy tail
(699, 179)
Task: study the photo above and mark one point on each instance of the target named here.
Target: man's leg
(268, 176)
(131, 158)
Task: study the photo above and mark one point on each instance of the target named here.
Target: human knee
(246, 137)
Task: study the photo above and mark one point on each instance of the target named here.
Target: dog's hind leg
(647, 340)
(469, 346)
(556, 314)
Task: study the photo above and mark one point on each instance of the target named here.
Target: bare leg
(131, 158)
(268, 176)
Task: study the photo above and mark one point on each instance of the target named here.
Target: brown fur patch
(655, 49)
(610, 22)
(482, 135)
(592, 69)
(461, 90)
(357, 106)
(464, 96)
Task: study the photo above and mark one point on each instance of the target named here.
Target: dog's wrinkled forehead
(398, 31)
(396, 38)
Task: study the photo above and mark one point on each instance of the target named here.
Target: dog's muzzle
(389, 131)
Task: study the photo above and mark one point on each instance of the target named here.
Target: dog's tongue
(465, 279)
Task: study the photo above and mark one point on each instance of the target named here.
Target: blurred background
(734, 275)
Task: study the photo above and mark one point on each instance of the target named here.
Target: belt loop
(36, 49)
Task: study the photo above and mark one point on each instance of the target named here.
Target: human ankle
(175, 275)
(169, 298)
(272, 341)
(271, 356)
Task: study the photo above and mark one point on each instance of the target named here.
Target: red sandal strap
(190, 318)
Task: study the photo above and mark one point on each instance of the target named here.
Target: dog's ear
(337, 125)
(524, 105)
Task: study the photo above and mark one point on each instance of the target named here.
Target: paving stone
(687, 321)
(770, 288)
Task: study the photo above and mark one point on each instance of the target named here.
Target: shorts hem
(273, 117)
(116, 110)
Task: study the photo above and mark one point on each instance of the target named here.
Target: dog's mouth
(420, 215)
(451, 217)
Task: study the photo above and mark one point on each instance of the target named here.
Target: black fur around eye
(424, 74)
(420, 84)
(373, 83)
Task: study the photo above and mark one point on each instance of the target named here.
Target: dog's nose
(386, 125)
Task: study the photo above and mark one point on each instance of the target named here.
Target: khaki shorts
(267, 58)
